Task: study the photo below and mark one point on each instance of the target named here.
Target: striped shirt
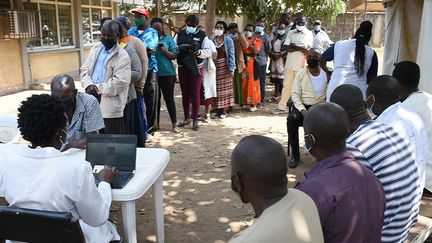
(381, 149)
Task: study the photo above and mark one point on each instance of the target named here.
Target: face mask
(218, 32)
(281, 32)
(300, 28)
(69, 103)
(306, 147)
(63, 142)
(259, 29)
(108, 43)
(190, 29)
(317, 28)
(140, 22)
(312, 63)
(369, 109)
(232, 36)
(248, 34)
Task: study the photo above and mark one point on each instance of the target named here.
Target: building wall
(11, 76)
(342, 29)
(45, 65)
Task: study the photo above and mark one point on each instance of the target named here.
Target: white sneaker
(223, 116)
(253, 109)
(207, 118)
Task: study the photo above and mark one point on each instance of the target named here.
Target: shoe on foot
(222, 116)
(293, 163)
(278, 111)
(195, 126)
(184, 123)
(253, 108)
(207, 118)
(175, 128)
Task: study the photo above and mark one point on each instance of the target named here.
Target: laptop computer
(113, 150)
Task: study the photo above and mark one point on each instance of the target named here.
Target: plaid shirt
(87, 117)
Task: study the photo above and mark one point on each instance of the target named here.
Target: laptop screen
(112, 149)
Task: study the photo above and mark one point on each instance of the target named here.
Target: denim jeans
(263, 69)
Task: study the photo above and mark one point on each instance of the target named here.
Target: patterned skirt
(224, 86)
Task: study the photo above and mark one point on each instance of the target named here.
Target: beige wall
(46, 65)
(11, 68)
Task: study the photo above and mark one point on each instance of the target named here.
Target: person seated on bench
(258, 176)
(308, 89)
(40, 177)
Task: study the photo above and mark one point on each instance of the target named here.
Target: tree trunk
(210, 16)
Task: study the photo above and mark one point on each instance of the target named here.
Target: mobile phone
(160, 44)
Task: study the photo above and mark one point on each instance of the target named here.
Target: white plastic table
(151, 163)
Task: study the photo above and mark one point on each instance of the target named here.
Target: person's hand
(161, 48)
(92, 90)
(183, 47)
(107, 174)
(304, 112)
(78, 143)
(139, 92)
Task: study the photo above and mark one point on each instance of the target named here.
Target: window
(55, 23)
(92, 12)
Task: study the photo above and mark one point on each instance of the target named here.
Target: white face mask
(306, 148)
(190, 29)
(218, 32)
(281, 32)
(248, 34)
(259, 29)
(300, 28)
(317, 27)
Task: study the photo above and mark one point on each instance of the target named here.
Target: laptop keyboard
(119, 181)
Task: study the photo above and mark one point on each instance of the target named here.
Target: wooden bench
(423, 229)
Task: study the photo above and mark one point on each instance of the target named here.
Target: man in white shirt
(297, 43)
(308, 89)
(39, 176)
(321, 39)
(417, 101)
(383, 101)
(258, 176)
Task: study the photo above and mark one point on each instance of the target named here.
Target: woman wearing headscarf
(225, 66)
(353, 60)
(278, 57)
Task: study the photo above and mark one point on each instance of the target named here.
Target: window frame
(56, 3)
(90, 7)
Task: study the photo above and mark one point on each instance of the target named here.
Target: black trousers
(151, 92)
(113, 126)
(166, 86)
(294, 121)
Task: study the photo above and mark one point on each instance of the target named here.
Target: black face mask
(108, 43)
(313, 63)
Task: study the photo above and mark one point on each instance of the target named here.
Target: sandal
(184, 123)
(195, 126)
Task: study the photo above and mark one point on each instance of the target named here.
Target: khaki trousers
(286, 90)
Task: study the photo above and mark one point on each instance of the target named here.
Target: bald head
(260, 160)
(350, 98)
(328, 123)
(63, 88)
(385, 88)
(61, 82)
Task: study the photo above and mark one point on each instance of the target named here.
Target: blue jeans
(263, 69)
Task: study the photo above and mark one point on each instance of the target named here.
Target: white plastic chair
(9, 132)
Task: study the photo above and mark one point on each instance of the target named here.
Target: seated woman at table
(40, 177)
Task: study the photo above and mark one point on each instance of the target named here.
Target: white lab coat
(46, 179)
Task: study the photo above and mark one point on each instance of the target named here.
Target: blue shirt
(165, 65)
(262, 55)
(98, 75)
(150, 38)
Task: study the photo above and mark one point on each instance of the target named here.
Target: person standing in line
(278, 59)
(321, 40)
(165, 54)
(261, 58)
(251, 83)
(150, 38)
(194, 47)
(297, 43)
(225, 67)
(106, 74)
(240, 43)
(353, 60)
(137, 119)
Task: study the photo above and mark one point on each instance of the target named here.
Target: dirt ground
(198, 202)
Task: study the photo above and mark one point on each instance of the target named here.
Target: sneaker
(207, 118)
(253, 109)
(222, 116)
(277, 111)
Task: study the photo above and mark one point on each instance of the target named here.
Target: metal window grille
(18, 24)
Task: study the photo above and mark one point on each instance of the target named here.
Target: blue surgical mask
(63, 143)
(190, 29)
(369, 109)
(259, 29)
(281, 32)
(306, 147)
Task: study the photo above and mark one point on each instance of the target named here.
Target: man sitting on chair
(308, 89)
